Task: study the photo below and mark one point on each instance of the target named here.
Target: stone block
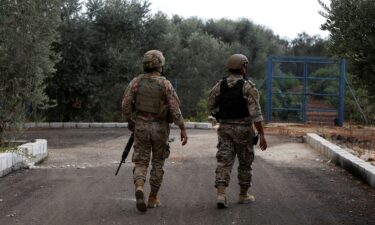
(121, 125)
(83, 125)
(70, 125)
(109, 125)
(56, 125)
(96, 125)
(204, 126)
(42, 125)
(29, 125)
(190, 125)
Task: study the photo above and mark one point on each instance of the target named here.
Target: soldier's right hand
(184, 137)
(262, 142)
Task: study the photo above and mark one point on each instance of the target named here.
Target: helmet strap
(243, 71)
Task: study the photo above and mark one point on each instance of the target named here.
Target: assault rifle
(126, 151)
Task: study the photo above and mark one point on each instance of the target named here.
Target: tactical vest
(232, 104)
(149, 95)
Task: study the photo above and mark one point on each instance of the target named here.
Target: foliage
(100, 46)
(283, 97)
(244, 37)
(352, 28)
(325, 86)
(202, 112)
(354, 104)
(306, 45)
(27, 29)
(101, 52)
(7, 149)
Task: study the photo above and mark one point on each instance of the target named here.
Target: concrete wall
(57, 125)
(10, 162)
(342, 158)
(29, 153)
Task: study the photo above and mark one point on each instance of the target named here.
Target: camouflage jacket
(172, 101)
(249, 92)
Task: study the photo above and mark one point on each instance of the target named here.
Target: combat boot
(222, 201)
(244, 197)
(153, 200)
(139, 196)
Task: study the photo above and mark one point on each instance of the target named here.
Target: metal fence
(305, 89)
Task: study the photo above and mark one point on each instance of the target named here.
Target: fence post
(304, 95)
(269, 90)
(342, 93)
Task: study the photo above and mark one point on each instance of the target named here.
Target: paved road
(76, 185)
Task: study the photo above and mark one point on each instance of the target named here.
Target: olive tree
(27, 29)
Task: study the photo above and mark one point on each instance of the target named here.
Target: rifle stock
(125, 153)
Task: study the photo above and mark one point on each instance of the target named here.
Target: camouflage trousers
(234, 140)
(150, 137)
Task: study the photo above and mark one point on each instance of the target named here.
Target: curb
(28, 155)
(10, 162)
(61, 125)
(342, 158)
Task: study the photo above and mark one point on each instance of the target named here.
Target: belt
(148, 117)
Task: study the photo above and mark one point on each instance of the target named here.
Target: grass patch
(8, 149)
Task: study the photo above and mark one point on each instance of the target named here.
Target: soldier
(149, 104)
(237, 101)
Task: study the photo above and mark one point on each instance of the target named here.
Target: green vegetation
(70, 60)
(27, 30)
(101, 51)
(352, 28)
(7, 149)
(286, 96)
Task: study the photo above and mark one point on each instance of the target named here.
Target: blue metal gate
(304, 89)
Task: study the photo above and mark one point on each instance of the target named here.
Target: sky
(286, 18)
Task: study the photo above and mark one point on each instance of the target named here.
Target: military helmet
(237, 61)
(153, 59)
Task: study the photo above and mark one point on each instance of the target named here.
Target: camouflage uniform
(235, 135)
(151, 131)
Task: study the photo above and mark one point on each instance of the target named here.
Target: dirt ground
(76, 185)
(356, 139)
